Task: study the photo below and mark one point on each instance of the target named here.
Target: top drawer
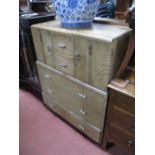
(63, 45)
(122, 101)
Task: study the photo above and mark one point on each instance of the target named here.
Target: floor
(43, 133)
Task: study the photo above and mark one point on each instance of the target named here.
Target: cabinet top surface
(106, 32)
(123, 86)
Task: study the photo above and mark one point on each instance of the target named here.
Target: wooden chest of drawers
(120, 122)
(74, 67)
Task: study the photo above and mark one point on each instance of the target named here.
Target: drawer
(49, 101)
(57, 107)
(63, 46)
(91, 131)
(122, 101)
(46, 80)
(88, 129)
(65, 65)
(123, 120)
(82, 99)
(94, 107)
(65, 91)
(123, 140)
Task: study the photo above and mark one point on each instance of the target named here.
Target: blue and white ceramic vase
(76, 13)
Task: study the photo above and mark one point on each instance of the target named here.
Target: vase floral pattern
(76, 13)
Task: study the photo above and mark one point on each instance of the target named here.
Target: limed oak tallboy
(75, 66)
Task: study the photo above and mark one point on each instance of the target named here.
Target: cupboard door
(92, 61)
(48, 43)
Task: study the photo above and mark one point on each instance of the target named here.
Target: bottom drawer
(122, 139)
(88, 129)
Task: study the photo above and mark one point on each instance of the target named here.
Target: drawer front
(70, 117)
(93, 132)
(94, 107)
(67, 94)
(65, 65)
(63, 46)
(57, 107)
(49, 101)
(122, 101)
(46, 80)
(85, 101)
(123, 120)
(125, 141)
(64, 90)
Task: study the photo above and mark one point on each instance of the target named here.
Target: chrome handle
(47, 76)
(61, 45)
(81, 127)
(83, 95)
(82, 111)
(63, 65)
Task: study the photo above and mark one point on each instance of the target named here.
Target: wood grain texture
(93, 66)
(104, 32)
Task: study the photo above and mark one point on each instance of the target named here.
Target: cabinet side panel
(38, 44)
(47, 42)
(118, 53)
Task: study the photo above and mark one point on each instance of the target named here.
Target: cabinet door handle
(83, 95)
(82, 111)
(81, 127)
(61, 45)
(63, 65)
